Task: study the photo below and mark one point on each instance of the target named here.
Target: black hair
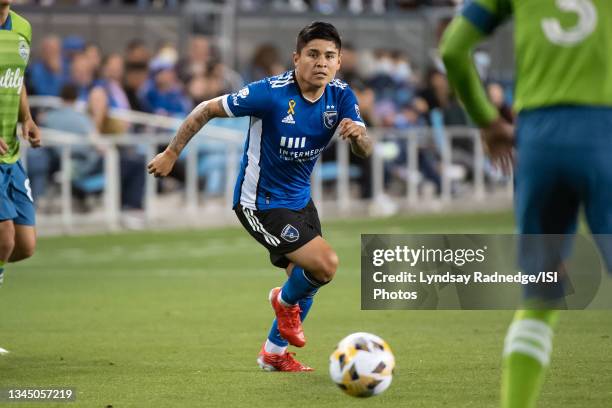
(318, 30)
(69, 92)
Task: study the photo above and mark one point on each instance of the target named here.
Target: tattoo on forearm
(194, 122)
(362, 146)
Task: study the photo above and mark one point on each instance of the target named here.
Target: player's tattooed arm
(162, 164)
(199, 117)
(355, 133)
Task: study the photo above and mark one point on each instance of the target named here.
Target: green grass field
(176, 319)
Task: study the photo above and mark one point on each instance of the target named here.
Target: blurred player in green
(563, 140)
(17, 233)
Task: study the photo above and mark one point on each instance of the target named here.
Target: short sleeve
(487, 15)
(350, 107)
(252, 100)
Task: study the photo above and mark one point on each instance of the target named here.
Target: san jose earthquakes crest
(330, 117)
(290, 233)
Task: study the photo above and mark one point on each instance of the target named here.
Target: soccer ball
(362, 365)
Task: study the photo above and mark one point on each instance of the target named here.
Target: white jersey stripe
(248, 192)
(283, 141)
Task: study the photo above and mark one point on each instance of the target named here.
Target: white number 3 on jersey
(587, 22)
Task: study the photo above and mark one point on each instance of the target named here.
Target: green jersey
(15, 39)
(562, 47)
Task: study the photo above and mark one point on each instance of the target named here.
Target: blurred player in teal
(17, 233)
(563, 139)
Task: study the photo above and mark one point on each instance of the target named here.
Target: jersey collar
(8, 24)
(297, 85)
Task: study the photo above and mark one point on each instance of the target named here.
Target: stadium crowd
(321, 6)
(392, 92)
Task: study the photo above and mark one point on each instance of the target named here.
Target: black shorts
(281, 230)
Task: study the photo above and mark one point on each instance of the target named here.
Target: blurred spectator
(108, 94)
(349, 68)
(71, 46)
(197, 60)
(229, 80)
(366, 99)
(437, 94)
(43, 162)
(134, 80)
(266, 61)
(137, 52)
(497, 96)
(47, 74)
(94, 55)
(137, 57)
(163, 93)
(82, 75)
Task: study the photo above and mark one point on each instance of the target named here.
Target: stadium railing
(193, 209)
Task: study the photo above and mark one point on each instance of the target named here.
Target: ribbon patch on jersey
(290, 111)
(330, 117)
(290, 233)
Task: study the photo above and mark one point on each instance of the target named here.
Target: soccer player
(293, 117)
(563, 141)
(17, 233)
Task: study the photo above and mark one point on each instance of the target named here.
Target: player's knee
(328, 266)
(24, 251)
(7, 242)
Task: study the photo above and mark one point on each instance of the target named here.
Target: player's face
(317, 62)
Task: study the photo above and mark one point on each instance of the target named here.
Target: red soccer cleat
(288, 320)
(280, 362)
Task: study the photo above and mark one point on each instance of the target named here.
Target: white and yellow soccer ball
(362, 365)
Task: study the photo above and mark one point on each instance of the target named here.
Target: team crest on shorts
(290, 233)
(24, 50)
(329, 118)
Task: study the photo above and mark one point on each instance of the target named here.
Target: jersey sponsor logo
(290, 233)
(330, 116)
(12, 79)
(292, 149)
(24, 50)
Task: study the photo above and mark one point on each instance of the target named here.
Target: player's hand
(31, 132)
(350, 130)
(3, 147)
(162, 164)
(498, 143)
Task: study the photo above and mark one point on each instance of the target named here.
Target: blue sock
(275, 337)
(300, 285)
